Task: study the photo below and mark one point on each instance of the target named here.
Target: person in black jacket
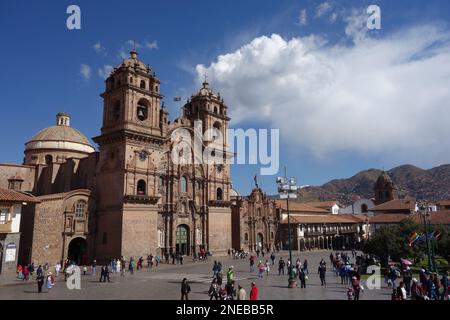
(185, 289)
(322, 269)
(40, 281)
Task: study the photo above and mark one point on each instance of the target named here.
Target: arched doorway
(77, 251)
(259, 241)
(182, 240)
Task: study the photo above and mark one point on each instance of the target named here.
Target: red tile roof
(396, 205)
(443, 203)
(7, 195)
(322, 204)
(299, 207)
(439, 217)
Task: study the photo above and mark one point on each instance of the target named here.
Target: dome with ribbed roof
(134, 62)
(60, 136)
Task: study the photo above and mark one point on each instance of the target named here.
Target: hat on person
(414, 280)
(184, 279)
(354, 278)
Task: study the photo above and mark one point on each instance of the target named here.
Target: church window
(183, 184)
(48, 159)
(141, 188)
(219, 194)
(143, 85)
(246, 237)
(364, 208)
(131, 80)
(161, 181)
(387, 194)
(215, 109)
(156, 88)
(80, 209)
(271, 235)
(258, 212)
(3, 215)
(116, 111)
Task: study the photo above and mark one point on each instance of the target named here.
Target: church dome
(134, 62)
(60, 136)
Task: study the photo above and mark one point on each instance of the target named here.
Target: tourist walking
(213, 291)
(305, 267)
(242, 295)
(57, 269)
(215, 269)
(131, 266)
(272, 257)
(302, 277)
(261, 269)
(267, 267)
(185, 289)
(230, 274)
(281, 265)
(252, 264)
(322, 270)
(40, 282)
(254, 292)
(50, 281)
(356, 288)
(93, 267)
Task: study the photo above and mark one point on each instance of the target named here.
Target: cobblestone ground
(163, 283)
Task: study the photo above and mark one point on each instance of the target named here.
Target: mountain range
(412, 181)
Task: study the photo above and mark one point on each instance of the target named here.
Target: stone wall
(219, 230)
(139, 232)
(27, 173)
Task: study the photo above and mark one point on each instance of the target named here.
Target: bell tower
(132, 99)
(132, 136)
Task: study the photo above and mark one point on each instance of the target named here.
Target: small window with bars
(80, 209)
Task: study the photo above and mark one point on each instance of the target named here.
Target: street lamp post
(424, 211)
(287, 188)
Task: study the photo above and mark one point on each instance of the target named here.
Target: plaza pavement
(163, 283)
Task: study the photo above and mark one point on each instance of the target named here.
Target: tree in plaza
(393, 241)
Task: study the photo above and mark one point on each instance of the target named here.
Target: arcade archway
(77, 251)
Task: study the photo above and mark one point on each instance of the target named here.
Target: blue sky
(42, 60)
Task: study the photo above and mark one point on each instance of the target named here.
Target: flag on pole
(436, 234)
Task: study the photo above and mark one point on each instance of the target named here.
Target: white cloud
(151, 45)
(356, 27)
(99, 49)
(333, 17)
(385, 97)
(323, 8)
(124, 51)
(105, 71)
(303, 18)
(85, 71)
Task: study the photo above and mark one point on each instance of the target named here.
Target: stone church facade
(255, 222)
(132, 197)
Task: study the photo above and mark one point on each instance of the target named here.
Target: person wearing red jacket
(254, 292)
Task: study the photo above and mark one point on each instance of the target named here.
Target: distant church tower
(385, 189)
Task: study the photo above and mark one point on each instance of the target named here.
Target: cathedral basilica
(129, 198)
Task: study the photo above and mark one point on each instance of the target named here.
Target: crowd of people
(429, 286)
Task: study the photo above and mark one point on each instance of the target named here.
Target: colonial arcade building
(316, 228)
(129, 198)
